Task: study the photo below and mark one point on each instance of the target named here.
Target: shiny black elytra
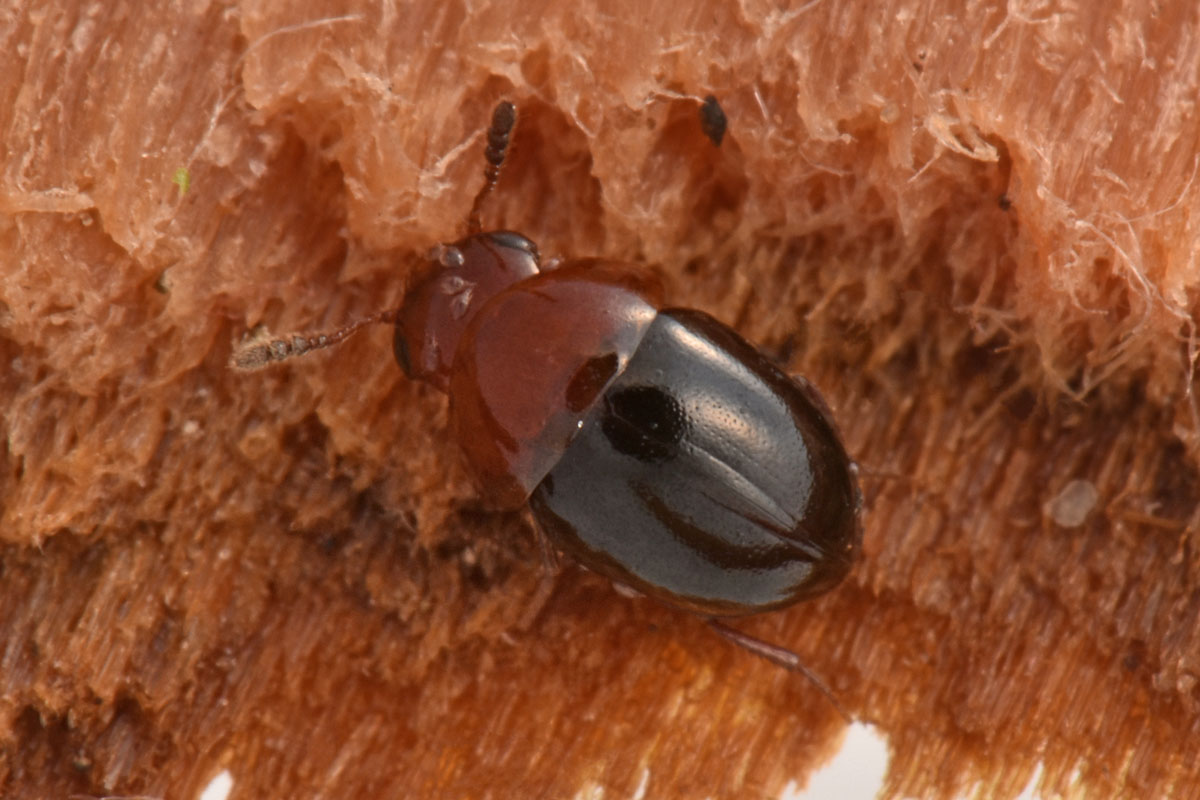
(705, 477)
(653, 445)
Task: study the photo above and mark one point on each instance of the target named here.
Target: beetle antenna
(780, 657)
(262, 350)
(504, 118)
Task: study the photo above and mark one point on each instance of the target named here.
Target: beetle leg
(549, 554)
(548, 551)
(779, 656)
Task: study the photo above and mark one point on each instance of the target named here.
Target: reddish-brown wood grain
(973, 229)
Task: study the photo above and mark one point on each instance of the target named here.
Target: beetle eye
(447, 255)
(643, 422)
(515, 241)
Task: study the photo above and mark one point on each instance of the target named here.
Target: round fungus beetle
(653, 444)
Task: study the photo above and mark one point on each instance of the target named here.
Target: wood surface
(972, 225)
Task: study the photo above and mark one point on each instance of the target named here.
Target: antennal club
(504, 118)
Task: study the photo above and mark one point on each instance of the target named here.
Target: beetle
(653, 444)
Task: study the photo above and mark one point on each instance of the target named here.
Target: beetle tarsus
(779, 656)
